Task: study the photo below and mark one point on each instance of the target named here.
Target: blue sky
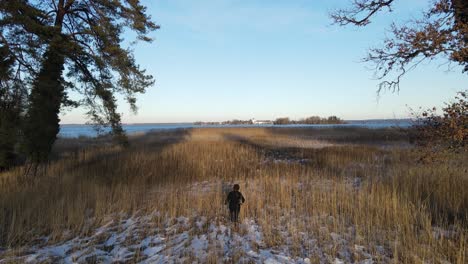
(217, 60)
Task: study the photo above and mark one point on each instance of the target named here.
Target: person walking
(235, 199)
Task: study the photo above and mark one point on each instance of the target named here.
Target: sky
(216, 60)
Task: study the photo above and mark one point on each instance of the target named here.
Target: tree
(437, 134)
(334, 120)
(12, 95)
(74, 45)
(282, 121)
(442, 31)
(42, 120)
(313, 120)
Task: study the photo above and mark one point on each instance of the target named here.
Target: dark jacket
(235, 199)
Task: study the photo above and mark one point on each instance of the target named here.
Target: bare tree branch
(360, 13)
(442, 31)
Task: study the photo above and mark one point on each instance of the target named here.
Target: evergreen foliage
(11, 104)
(42, 121)
(60, 46)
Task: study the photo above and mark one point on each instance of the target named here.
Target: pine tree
(57, 43)
(42, 120)
(11, 103)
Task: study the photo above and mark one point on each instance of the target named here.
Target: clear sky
(217, 60)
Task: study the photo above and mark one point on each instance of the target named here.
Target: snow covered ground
(155, 238)
(190, 240)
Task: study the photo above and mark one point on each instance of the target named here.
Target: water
(73, 131)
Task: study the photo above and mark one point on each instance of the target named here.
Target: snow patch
(184, 239)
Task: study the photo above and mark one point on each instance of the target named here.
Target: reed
(304, 182)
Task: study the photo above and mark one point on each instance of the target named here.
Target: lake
(77, 130)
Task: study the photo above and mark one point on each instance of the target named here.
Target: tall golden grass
(299, 179)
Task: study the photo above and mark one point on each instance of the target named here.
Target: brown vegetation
(437, 134)
(417, 213)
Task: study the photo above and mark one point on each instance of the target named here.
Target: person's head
(236, 187)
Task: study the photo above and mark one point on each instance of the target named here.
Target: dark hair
(236, 187)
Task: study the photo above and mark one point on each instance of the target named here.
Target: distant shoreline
(192, 123)
(77, 130)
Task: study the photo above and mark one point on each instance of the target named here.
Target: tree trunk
(461, 10)
(42, 119)
(461, 19)
(11, 104)
(8, 138)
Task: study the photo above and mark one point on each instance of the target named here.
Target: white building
(261, 122)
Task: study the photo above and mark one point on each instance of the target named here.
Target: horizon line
(191, 122)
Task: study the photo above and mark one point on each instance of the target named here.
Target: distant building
(261, 122)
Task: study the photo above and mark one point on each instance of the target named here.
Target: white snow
(138, 240)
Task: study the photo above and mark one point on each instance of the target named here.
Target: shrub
(436, 133)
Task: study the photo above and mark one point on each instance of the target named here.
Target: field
(347, 195)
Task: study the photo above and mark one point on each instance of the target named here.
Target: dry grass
(295, 180)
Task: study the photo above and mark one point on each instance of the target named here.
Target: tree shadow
(337, 160)
(102, 155)
(346, 135)
(268, 152)
(323, 137)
